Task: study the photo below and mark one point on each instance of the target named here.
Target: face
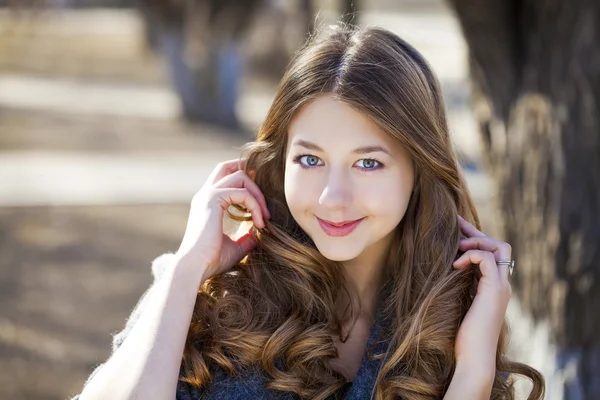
(347, 183)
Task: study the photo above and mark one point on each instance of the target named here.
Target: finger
(467, 229)
(226, 168)
(504, 273)
(485, 260)
(247, 243)
(501, 250)
(240, 179)
(241, 196)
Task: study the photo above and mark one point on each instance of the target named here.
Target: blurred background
(113, 112)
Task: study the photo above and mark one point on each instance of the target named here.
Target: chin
(338, 253)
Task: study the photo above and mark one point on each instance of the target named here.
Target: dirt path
(68, 278)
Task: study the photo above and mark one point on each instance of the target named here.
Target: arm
(479, 332)
(470, 383)
(147, 362)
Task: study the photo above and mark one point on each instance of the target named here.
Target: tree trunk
(535, 69)
(201, 42)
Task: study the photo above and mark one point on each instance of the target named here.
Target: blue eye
(311, 160)
(307, 160)
(369, 164)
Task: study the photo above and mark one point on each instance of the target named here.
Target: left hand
(477, 337)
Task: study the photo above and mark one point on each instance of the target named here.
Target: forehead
(332, 123)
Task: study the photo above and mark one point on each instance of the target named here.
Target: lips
(338, 229)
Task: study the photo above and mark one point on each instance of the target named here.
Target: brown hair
(276, 307)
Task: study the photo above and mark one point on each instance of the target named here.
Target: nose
(337, 193)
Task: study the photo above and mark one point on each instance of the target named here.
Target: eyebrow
(359, 150)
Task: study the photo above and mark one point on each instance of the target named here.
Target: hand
(204, 241)
(477, 337)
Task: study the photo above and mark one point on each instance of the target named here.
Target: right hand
(204, 241)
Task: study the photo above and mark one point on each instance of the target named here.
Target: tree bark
(535, 72)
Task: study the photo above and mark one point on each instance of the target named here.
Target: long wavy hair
(275, 309)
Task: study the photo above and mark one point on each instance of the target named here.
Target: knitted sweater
(248, 384)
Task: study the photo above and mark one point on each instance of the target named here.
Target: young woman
(359, 277)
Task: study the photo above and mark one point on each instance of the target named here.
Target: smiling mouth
(338, 229)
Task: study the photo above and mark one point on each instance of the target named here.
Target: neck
(366, 276)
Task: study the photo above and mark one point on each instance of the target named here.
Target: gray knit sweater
(249, 384)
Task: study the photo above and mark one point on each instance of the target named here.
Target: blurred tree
(349, 9)
(535, 70)
(200, 39)
(308, 11)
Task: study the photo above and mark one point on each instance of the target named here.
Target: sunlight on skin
(342, 167)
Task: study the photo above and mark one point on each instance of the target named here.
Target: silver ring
(510, 264)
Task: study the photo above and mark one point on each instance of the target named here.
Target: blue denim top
(251, 384)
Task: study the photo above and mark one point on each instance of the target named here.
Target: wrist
(190, 268)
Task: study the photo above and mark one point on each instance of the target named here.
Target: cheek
(388, 199)
(297, 190)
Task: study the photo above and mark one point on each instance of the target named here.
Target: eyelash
(380, 164)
